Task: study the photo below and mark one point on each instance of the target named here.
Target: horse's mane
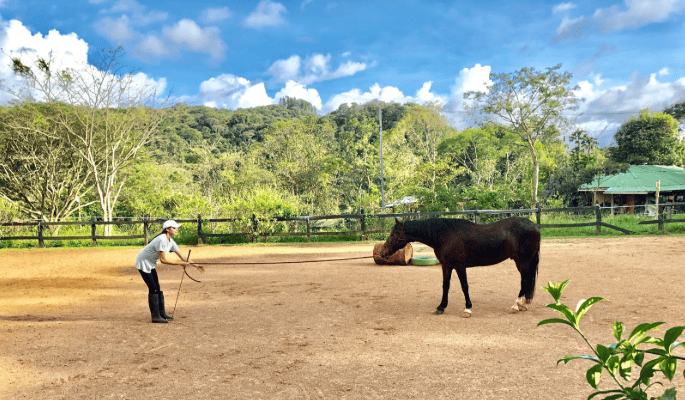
(433, 229)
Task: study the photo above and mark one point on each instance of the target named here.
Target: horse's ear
(397, 221)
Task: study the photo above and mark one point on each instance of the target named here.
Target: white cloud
(230, 91)
(153, 46)
(315, 68)
(184, 35)
(64, 51)
(285, 70)
(213, 15)
(476, 79)
(267, 13)
(138, 12)
(388, 94)
(116, 30)
(598, 79)
(663, 71)
(424, 95)
(635, 14)
(563, 7)
(187, 34)
(604, 110)
(299, 91)
(304, 4)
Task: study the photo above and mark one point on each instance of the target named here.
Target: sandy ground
(74, 324)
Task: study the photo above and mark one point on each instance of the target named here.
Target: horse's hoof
(438, 311)
(466, 313)
(521, 303)
(514, 309)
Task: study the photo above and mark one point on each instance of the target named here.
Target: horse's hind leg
(528, 272)
(461, 273)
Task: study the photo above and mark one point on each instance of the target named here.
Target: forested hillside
(60, 159)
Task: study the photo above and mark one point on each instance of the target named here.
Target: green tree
(293, 103)
(110, 118)
(532, 103)
(301, 155)
(153, 188)
(581, 165)
(649, 139)
(677, 111)
(424, 129)
(40, 173)
(489, 166)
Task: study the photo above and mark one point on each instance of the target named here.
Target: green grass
(629, 222)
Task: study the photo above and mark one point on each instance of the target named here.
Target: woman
(158, 250)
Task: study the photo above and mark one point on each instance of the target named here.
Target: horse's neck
(420, 232)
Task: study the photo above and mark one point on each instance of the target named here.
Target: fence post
(146, 228)
(660, 216)
(538, 214)
(254, 227)
(41, 242)
(199, 229)
(93, 230)
(309, 231)
(598, 215)
(363, 222)
(476, 217)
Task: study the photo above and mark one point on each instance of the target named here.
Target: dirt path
(74, 324)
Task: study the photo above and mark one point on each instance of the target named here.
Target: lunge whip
(179, 286)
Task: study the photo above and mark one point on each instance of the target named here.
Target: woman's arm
(166, 260)
(178, 253)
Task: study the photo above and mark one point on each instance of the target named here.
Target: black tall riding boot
(162, 312)
(153, 302)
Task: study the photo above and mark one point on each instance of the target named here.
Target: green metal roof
(640, 179)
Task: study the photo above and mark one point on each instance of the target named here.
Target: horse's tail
(529, 276)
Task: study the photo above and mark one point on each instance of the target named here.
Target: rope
(278, 262)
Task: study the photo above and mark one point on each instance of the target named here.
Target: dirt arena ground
(74, 324)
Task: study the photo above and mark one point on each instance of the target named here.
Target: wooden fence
(365, 228)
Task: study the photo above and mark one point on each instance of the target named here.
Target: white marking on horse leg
(514, 309)
(521, 303)
(466, 313)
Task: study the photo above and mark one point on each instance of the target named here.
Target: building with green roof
(638, 187)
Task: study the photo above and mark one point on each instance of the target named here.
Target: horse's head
(396, 240)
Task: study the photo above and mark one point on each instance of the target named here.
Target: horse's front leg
(461, 273)
(446, 277)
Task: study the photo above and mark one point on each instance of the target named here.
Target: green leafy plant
(618, 359)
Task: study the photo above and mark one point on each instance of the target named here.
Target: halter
(394, 242)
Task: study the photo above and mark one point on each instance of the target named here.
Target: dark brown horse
(461, 244)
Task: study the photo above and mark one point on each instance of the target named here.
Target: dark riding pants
(151, 280)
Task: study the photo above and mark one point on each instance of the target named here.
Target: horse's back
(524, 232)
(481, 245)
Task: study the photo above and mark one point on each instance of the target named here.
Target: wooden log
(400, 257)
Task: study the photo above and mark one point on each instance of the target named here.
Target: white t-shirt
(148, 257)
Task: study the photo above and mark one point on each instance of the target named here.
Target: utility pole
(380, 130)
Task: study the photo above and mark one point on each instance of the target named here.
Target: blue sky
(625, 55)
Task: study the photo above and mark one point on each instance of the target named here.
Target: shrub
(618, 359)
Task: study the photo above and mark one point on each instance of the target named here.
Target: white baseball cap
(171, 224)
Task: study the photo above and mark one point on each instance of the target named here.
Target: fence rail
(663, 216)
